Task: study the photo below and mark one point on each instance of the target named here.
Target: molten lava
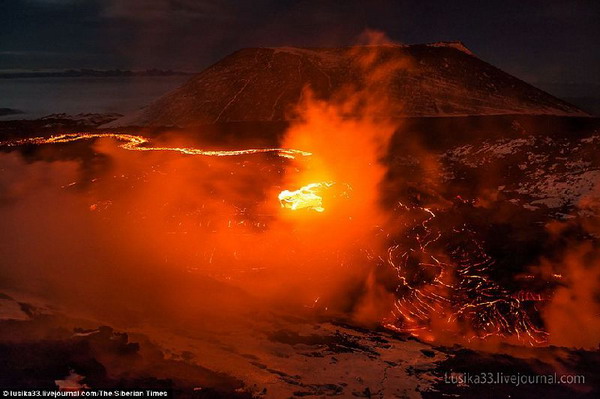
(307, 197)
(136, 143)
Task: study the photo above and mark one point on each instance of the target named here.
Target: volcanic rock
(266, 84)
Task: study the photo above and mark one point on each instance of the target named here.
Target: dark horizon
(553, 41)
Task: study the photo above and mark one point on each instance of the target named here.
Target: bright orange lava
(306, 197)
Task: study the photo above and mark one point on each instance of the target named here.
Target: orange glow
(371, 261)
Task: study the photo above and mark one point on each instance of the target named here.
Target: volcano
(266, 84)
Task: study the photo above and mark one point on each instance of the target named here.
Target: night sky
(539, 41)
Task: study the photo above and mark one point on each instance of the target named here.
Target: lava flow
(445, 288)
(137, 143)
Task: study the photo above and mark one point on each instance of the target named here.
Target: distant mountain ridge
(76, 73)
(264, 84)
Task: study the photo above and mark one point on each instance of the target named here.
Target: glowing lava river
(138, 143)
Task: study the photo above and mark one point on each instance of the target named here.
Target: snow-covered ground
(534, 171)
